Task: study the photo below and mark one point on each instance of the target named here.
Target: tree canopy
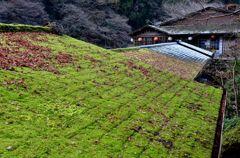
(103, 22)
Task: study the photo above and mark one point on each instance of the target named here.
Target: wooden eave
(155, 28)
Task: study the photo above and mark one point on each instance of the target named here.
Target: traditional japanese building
(214, 29)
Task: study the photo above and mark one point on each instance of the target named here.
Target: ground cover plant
(60, 97)
(23, 28)
(184, 69)
(231, 141)
(231, 138)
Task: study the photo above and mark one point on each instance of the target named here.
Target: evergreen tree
(141, 12)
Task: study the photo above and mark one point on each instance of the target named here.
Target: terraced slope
(60, 97)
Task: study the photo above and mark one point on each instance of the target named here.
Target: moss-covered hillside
(23, 28)
(231, 138)
(182, 68)
(60, 97)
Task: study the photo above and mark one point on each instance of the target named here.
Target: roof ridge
(194, 13)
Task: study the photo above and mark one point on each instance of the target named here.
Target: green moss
(122, 50)
(23, 28)
(231, 132)
(103, 109)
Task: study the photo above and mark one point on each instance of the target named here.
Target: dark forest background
(103, 22)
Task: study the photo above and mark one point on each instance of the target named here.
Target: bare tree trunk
(235, 87)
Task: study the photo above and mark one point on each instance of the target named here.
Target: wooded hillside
(103, 22)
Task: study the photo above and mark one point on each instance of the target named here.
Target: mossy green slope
(102, 105)
(23, 28)
(182, 68)
(231, 142)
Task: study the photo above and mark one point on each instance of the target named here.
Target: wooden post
(217, 146)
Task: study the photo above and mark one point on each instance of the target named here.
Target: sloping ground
(181, 68)
(61, 97)
(231, 142)
(23, 28)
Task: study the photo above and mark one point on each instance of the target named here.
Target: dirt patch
(93, 60)
(11, 82)
(137, 129)
(18, 82)
(167, 144)
(163, 116)
(143, 70)
(194, 107)
(63, 58)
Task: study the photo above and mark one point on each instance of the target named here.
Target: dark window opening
(208, 44)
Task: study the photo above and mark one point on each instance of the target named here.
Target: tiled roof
(181, 50)
(173, 20)
(203, 29)
(198, 29)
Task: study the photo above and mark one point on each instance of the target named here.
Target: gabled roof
(195, 13)
(164, 27)
(190, 30)
(155, 28)
(203, 29)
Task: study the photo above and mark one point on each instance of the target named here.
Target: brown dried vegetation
(143, 70)
(18, 49)
(184, 69)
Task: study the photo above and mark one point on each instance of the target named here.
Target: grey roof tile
(181, 50)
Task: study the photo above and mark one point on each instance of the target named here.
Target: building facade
(211, 28)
